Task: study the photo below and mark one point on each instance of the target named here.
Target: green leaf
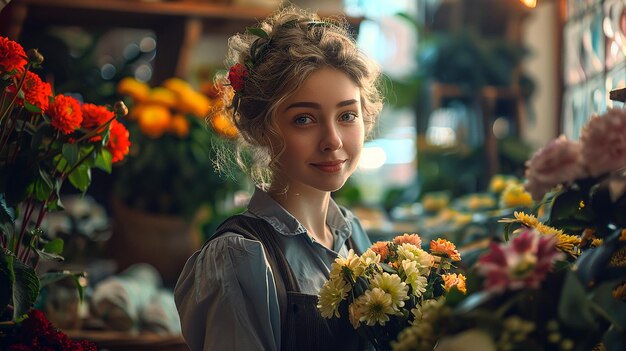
(32, 108)
(6, 278)
(104, 161)
(80, 178)
(574, 305)
(55, 246)
(7, 214)
(23, 281)
(70, 153)
(258, 32)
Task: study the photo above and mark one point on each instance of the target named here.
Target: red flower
(36, 92)
(95, 116)
(65, 113)
(12, 55)
(237, 76)
(119, 142)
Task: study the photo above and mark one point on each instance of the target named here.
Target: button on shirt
(225, 295)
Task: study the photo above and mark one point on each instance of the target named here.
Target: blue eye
(301, 120)
(348, 117)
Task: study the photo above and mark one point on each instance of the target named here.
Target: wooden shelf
(179, 25)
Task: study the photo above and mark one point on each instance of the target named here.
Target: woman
(304, 100)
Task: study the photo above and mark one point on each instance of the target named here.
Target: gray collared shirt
(225, 295)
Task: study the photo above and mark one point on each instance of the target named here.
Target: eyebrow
(317, 106)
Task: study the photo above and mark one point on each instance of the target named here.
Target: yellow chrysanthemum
(410, 271)
(352, 263)
(618, 259)
(137, 90)
(564, 242)
(526, 219)
(514, 195)
(423, 259)
(375, 307)
(332, 293)
(453, 279)
(369, 257)
(392, 285)
(354, 314)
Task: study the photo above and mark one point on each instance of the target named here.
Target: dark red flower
(12, 56)
(19, 347)
(119, 141)
(65, 113)
(237, 76)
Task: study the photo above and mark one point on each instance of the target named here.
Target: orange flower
(179, 126)
(12, 56)
(154, 120)
(65, 113)
(381, 248)
(223, 126)
(443, 247)
(119, 142)
(408, 239)
(454, 279)
(95, 116)
(137, 90)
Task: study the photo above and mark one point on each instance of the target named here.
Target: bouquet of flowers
(378, 290)
(45, 140)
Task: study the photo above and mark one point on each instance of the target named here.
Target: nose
(331, 139)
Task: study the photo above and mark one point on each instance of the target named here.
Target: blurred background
(473, 88)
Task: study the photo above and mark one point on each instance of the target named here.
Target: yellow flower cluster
(163, 109)
(387, 280)
(569, 244)
(514, 195)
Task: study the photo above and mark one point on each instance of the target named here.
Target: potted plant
(45, 140)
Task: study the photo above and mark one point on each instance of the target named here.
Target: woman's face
(322, 131)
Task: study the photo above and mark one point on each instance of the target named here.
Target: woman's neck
(310, 208)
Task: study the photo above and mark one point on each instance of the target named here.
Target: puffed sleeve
(226, 297)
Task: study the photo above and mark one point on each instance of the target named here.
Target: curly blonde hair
(298, 44)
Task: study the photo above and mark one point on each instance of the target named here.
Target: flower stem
(18, 88)
(30, 206)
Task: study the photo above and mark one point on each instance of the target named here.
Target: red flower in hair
(12, 55)
(95, 116)
(237, 76)
(36, 92)
(119, 142)
(65, 113)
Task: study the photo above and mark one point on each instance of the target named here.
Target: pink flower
(556, 163)
(521, 263)
(408, 239)
(603, 141)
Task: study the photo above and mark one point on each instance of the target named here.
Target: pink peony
(556, 163)
(603, 141)
(521, 263)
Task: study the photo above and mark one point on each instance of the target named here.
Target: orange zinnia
(119, 142)
(381, 248)
(444, 248)
(408, 239)
(12, 56)
(65, 114)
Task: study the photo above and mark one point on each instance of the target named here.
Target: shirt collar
(263, 206)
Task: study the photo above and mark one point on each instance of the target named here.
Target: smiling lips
(330, 166)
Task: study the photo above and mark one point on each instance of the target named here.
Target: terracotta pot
(164, 241)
